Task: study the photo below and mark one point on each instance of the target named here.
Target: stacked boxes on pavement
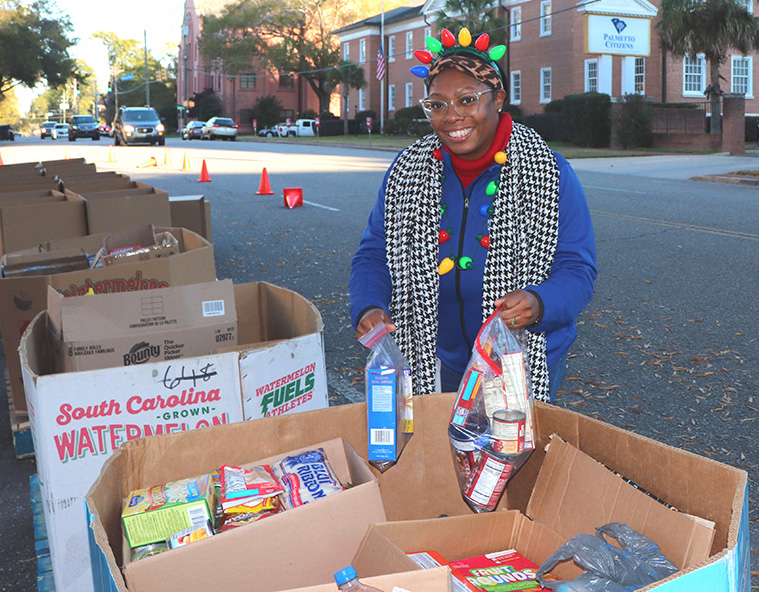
(126, 333)
(137, 499)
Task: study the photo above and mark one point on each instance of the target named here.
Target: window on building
(346, 51)
(748, 4)
(391, 48)
(545, 18)
(741, 79)
(391, 97)
(286, 81)
(516, 87)
(361, 51)
(591, 75)
(409, 94)
(361, 99)
(516, 23)
(248, 82)
(694, 75)
(427, 32)
(409, 45)
(640, 76)
(545, 85)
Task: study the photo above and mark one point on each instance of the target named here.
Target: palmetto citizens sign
(617, 35)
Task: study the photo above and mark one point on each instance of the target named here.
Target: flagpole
(382, 82)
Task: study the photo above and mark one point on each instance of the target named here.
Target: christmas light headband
(447, 47)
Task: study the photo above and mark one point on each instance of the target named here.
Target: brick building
(238, 93)
(548, 55)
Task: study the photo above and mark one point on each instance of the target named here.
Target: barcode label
(197, 514)
(213, 308)
(381, 436)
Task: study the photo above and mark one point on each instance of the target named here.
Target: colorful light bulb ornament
(447, 38)
(447, 44)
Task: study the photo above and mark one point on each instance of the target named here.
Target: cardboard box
(138, 243)
(136, 205)
(27, 225)
(298, 547)
(22, 298)
(76, 426)
(572, 494)
(34, 167)
(429, 580)
(18, 265)
(128, 328)
(31, 196)
(30, 184)
(193, 212)
(106, 181)
(422, 485)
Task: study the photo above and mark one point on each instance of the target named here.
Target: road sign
(126, 77)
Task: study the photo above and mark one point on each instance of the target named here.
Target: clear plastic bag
(608, 568)
(389, 404)
(491, 429)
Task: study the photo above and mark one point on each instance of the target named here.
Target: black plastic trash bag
(608, 568)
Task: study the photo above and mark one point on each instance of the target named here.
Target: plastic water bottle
(348, 580)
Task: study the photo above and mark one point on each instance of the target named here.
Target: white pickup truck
(300, 127)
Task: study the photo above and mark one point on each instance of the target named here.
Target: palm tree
(711, 27)
(348, 75)
(476, 15)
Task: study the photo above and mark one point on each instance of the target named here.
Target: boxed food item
(153, 514)
(24, 265)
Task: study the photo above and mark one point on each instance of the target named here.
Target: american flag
(380, 63)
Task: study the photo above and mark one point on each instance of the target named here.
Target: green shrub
(556, 106)
(752, 131)
(361, 121)
(514, 110)
(552, 127)
(633, 125)
(587, 118)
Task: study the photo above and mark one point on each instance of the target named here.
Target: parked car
(138, 124)
(219, 127)
(192, 130)
(105, 130)
(269, 132)
(61, 130)
(300, 127)
(46, 129)
(6, 133)
(83, 126)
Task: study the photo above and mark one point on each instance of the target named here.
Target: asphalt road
(667, 348)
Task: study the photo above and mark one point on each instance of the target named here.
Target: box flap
(575, 494)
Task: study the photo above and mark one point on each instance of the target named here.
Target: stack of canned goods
(487, 452)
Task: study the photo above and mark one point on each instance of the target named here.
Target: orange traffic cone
(150, 162)
(186, 162)
(264, 188)
(293, 197)
(1, 160)
(111, 157)
(204, 178)
(166, 158)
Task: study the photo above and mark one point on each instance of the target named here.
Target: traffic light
(110, 86)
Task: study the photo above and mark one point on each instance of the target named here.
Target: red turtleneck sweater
(468, 170)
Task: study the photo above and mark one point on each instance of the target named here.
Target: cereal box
(155, 513)
(503, 571)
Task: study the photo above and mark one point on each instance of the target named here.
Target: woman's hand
(519, 309)
(371, 318)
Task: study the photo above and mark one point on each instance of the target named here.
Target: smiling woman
(478, 216)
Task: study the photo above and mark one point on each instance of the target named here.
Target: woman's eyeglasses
(466, 105)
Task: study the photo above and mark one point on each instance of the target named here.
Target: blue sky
(162, 19)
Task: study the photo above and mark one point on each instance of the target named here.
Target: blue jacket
(564, 294)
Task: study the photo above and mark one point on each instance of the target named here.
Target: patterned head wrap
(486, 72)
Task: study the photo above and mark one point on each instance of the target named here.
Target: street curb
(730, 179)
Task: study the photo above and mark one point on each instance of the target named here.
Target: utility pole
(147, 75)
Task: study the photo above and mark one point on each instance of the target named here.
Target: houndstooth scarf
(523, 235)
